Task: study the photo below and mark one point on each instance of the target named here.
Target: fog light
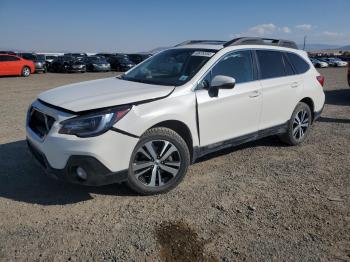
(81, 173)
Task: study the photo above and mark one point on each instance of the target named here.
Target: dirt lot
(259, 202)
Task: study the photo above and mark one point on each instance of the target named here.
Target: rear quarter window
(299, 64)
(271, 64)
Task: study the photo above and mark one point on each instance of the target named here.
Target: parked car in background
(67, 64)
(121, 62)
(38, 60)
(76, 55)
(49, 58)
(106, 55)
(148, 125)
(15, 65)
(336, 62)
(97, 64)
(318, 63)
(138, 58)
(349, 74)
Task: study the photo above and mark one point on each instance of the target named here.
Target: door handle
(294, 84)
(254, 94)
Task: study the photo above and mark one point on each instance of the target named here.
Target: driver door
(234, 112)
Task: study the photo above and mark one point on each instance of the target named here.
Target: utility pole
(304, 42)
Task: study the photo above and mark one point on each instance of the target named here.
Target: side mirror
(220, 82)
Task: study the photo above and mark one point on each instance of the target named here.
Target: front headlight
(93, 124)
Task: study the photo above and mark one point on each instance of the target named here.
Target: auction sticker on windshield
(203, 53)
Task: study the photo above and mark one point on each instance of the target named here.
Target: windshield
(172, 67)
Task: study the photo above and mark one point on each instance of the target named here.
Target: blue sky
(129, 26)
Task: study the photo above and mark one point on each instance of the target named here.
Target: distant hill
(314, 47)
(345, 48)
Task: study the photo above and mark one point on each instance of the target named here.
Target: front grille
(39, 122)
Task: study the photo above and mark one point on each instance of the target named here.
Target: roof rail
(261, 41)
(193, 42)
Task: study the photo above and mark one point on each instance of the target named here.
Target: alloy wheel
(300, 124)
(156, 163)
(26, 71)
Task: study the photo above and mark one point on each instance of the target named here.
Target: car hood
(102, 93)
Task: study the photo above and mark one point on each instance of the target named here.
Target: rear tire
(25, 71)
(298, 125)
(159, 162)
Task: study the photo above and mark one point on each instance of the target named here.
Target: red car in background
(15, 65)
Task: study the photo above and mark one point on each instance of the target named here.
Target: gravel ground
(262, 201)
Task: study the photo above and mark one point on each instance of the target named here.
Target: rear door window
(5, 58)
(287, 65)
(271, 64)
(299, 64)
(12, 58)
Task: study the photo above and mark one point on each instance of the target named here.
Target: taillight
(320, 79)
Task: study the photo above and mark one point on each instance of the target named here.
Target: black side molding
(124, 132)
(202, 151)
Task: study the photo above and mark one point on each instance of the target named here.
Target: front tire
(298, 125)
(159, 162)
(25, 71)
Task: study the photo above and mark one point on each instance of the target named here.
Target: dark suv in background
(38, 60)
(67, 64)
(106, 55)
(138, 58)
(121, 62)
(97, 64)
(77, 55)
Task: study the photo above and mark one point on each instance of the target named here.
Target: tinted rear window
(271, 64)
(5, 58)
(299, 63)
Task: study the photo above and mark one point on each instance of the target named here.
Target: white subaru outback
(148, 125)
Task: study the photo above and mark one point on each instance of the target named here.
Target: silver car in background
(318, 63)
